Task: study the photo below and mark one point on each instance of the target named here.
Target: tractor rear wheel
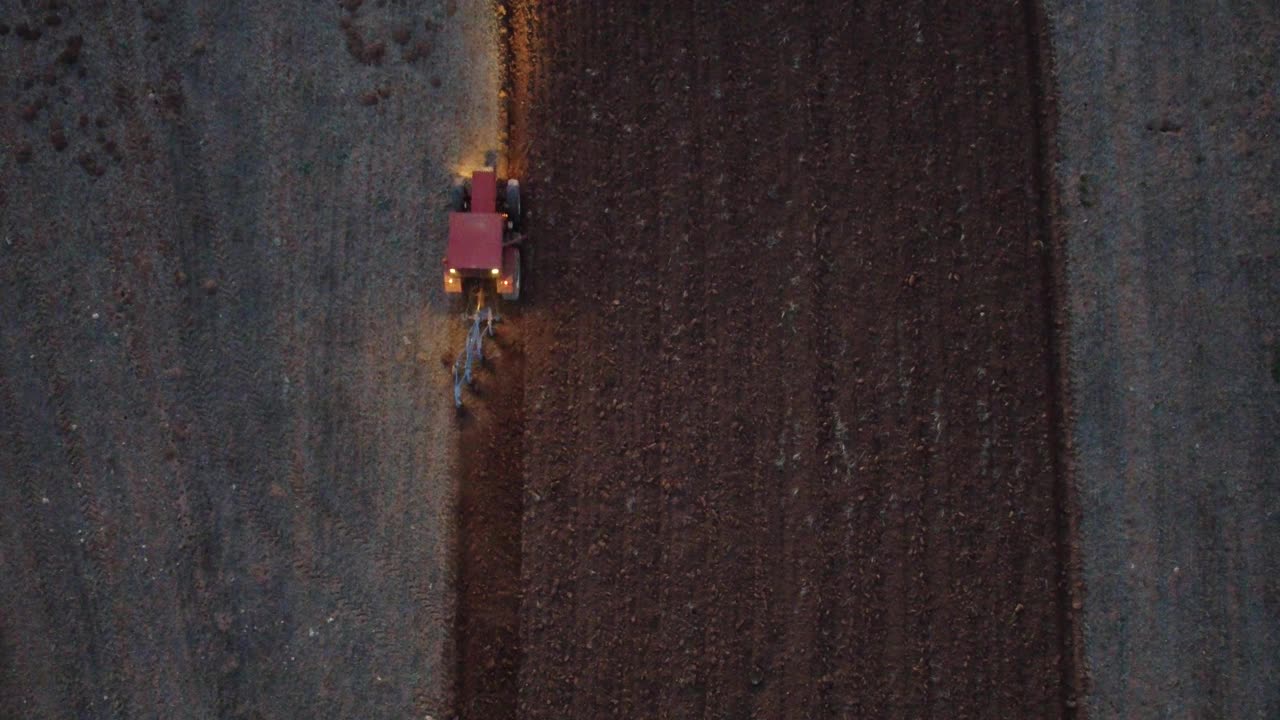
(514, 295)
(513, 204)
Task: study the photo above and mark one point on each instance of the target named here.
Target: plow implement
(480, 322)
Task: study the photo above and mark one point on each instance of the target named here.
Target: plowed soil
(791, 412)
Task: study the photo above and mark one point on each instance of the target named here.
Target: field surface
(911, 359)
(1168, 176)
(791, 404)
(226, 447)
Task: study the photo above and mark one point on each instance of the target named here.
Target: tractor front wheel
(513, 204)
(459, 198)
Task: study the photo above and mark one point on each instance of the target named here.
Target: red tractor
(484, 238)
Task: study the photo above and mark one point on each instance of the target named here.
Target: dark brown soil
(486, 630)
(790, 385)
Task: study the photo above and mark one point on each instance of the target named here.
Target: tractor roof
(475, 241)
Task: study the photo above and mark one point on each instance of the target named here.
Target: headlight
(453, 271)
(496, 271)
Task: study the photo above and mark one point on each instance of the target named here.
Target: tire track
(1045, 114)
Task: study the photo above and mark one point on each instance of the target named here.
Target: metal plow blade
(481, 322)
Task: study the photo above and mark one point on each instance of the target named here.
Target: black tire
(513, 204)
(514, 295)
(459, 198)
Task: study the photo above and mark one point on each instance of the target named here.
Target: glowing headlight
(453, 271)
(495, 271)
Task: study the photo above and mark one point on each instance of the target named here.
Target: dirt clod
(57, 137)
(28, 33)
(368, 53)
(419, 50)
(172, 97)
(90, 164)
(71, 53)
(374, 52)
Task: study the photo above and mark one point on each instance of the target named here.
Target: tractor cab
(484, 236)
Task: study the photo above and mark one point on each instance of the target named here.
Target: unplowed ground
(227, 446)
(1169, 169)
(791, 407)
